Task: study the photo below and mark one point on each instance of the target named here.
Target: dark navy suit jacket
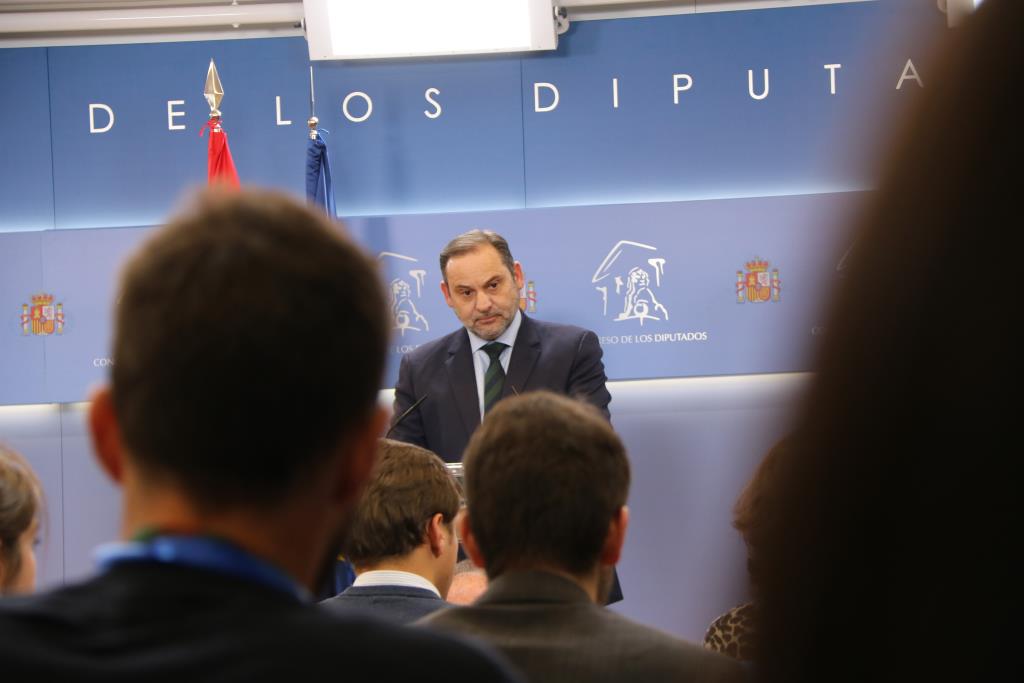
(397, 604)
(562, 358)
(145, 621)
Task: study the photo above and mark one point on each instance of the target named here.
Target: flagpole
(220, 167)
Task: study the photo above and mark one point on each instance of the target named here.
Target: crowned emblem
(758, 285)
(42, 317)
(528, 298)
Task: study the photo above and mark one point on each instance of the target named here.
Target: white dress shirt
(393, 577)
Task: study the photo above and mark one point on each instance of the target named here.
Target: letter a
(909, 73)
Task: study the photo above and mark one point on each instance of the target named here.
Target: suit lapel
(525, 353)
(463, 381)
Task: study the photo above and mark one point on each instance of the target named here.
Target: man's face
(482, 291)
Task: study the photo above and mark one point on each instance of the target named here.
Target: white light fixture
(360, 29)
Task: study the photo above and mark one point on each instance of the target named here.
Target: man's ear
(356, 464)
(437, 534)
(517, 274)
(616, 538)
(447, 294)
(469, 543)
(106, 434)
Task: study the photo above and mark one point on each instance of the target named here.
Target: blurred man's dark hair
(892, 552)
(544, 477)
(248, 329)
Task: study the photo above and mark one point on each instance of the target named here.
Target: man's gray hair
(472, 240)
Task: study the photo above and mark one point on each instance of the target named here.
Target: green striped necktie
(494, 377)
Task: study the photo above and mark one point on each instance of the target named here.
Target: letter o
(348, 98)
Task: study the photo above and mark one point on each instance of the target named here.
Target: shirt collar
(393, 577)
(508, 337)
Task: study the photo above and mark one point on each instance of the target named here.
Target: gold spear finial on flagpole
(213, 91)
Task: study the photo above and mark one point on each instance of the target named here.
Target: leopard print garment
(733, 633)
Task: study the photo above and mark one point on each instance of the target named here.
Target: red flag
(220, 166)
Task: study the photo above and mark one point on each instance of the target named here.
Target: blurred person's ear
(469, 543)
(616, 537)
(360, 454)
(106, 434)
(437, 534)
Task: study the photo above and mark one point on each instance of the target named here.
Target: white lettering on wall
(536, 97)
(280, 121)
(677, 88)
(750, 85)
(427, 95)
(909, 74)
(92, 118)
(172, 114)
(615, 93)
(348, 98)
(832, 76)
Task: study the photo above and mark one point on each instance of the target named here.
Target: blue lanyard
(201, 552)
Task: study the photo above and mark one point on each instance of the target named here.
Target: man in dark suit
(549, 538)
(402, 541)
(451, 382)
(241, 424)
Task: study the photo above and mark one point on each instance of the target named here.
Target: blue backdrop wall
(678, 184)
(644, 114)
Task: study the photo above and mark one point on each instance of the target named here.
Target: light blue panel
(26, 181)
(22, 352)
(134, 173)
(717, 141)
(92, 504)
(35, 432)
(82, 267)
(688, 253)
(693, 445)
(400, 160)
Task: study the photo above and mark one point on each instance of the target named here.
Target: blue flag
(319, 189)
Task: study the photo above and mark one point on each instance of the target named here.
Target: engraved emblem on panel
(629, 280)
(405, 289)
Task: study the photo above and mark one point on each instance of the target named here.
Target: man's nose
(483, 302)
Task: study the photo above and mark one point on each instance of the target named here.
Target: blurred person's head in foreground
(734, 632)
(21, 504)
(405, 520)
(546, 483)
(249, 343)
(892, 556)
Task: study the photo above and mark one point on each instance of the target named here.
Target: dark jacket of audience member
(402, 540)
(893, 558)
(241, 425)
(546, 483)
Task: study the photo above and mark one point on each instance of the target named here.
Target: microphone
(404, 415)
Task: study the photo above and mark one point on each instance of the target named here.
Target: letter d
(92, 118)
(536, 97)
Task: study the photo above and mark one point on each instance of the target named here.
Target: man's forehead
(484, 262)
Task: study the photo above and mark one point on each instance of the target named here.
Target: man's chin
(490, 331)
